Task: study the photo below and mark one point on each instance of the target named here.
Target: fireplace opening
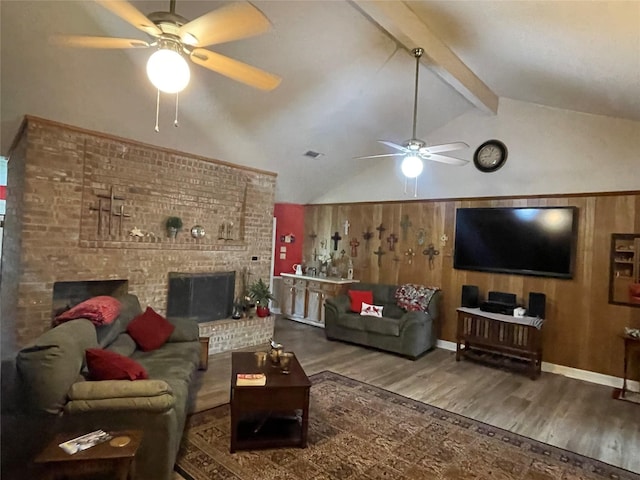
(203, 297)
(69, 294)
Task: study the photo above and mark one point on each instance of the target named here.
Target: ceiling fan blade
(394, 145)
(96, 42)
(231, 22)
(445, 147)
(131, 14)
(378, 156)
(436, 157)
(239, 71)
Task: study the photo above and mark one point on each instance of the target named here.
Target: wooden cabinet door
(287, 302)
(299, 298)
(315, 303)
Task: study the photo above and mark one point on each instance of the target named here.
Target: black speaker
(470, 296)
(537, 304)
(502, 297)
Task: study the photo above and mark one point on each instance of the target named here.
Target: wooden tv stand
(499, 339)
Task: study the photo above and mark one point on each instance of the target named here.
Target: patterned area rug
(358, 431)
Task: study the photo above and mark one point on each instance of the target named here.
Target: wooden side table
(102, 458)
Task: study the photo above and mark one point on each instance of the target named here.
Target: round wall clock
(490, 156)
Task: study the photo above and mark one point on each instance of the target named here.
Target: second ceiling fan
(415, 150)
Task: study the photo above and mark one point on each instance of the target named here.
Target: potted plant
(259, 292)
(173, 225)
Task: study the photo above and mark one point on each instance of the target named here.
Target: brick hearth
(225, 335)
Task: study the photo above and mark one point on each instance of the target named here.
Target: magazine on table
(83, 442)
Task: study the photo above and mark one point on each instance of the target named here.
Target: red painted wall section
(289, 235)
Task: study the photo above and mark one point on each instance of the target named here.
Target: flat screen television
(521, 240)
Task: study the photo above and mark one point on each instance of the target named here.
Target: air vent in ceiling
(312, 154)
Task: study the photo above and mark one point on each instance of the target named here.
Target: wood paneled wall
(582, 329)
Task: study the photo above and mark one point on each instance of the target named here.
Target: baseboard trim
(570, 372)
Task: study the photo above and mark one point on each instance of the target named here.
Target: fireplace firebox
(203, 297)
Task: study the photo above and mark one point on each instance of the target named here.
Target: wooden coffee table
(102, 458)
(275, 415)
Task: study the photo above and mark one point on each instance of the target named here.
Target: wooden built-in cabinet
(303, 297)
(625, 268)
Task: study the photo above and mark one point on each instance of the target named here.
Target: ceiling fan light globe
(411, 166)
(168, 71)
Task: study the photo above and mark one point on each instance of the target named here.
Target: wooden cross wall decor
(431, 252)
(379, 253)
(114, 211)
(368, 235)
(380, 229)
(313, 235)
(392, 240)
(405, 224)
(354, 243)
(336, 238)
(410, 254)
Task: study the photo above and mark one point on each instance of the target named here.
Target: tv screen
(527, 241)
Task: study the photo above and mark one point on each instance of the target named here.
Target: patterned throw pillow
(150, 330)
(413, 297)
(106, 365)
(100, 310)
(359, 296)
(371, 310)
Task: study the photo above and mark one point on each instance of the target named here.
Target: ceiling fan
(415, 150)
(175, 38)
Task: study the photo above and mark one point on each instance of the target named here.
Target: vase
(262, 311)
(172, 232)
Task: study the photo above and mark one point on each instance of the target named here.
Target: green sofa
(52, 371)
(408, 333)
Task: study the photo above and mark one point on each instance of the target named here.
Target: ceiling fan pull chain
(415, 191)
(175, 122)
(157, 129)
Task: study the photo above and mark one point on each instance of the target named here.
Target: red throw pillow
(359, 296)
(106, 365)
(150, 330)
(100, 310)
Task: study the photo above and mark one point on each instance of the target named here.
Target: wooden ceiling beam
(397, 19)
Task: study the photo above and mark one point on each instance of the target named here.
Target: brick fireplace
(75, 195)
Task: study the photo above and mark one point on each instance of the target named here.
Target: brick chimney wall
(60, 177)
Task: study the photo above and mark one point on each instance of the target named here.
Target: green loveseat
(408, 333)
(52, 374)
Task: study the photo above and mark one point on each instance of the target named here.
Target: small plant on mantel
(173, 224)
(259, 291)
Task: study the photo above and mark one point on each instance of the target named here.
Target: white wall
(551, 151)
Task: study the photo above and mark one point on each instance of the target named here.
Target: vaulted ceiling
(347, 77)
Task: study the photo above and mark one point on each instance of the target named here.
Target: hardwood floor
(572, 414)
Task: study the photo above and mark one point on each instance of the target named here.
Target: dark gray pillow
(124, 345)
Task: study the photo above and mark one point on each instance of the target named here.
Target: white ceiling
(346, 82)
